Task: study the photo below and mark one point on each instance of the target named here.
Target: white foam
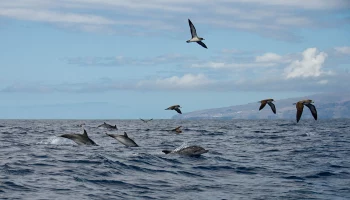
(56, 140)
(184, 145)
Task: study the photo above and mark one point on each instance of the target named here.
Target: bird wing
(313, 110)
(273, 107)
(263, 104)
(143, 120)
(193, 29)
(202, 44)
(300, 107)
(178, 110)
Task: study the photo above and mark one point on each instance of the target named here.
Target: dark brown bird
(300, 107)
(177, 130)
(146, 120)
(268, 101)
(175, 107)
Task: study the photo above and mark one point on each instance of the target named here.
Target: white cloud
(227, 65)
(268, 57)
(120, 60)
(187, 81)
(49, 16)
(120, 16)
(309, 4)
(322, 82)
(343, 50)
(309, 66)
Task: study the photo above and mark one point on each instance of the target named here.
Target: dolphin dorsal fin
(85, 133)
(126, 135)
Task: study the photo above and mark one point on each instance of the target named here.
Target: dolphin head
(166, 151)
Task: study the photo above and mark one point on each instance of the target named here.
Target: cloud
(227, 65)
(295, 71)
(49, 16)
(310, 4)
(276, 19)
(268, 57)
(165, 59)
(343, 50)
(309, 66)
(194, 82)
(186, 82)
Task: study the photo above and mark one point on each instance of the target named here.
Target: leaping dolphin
(105, 125)
(124, 139)
(188, 151)
(81, 139)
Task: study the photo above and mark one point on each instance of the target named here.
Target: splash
(182, 146)
(56, 140)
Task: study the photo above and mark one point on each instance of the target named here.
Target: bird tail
(188, 41)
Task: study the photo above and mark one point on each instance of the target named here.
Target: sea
(247, 159)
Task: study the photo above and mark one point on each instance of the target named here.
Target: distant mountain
(328, 105)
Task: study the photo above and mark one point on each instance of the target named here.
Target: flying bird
(267, 101)
(300, 106)
(195, 38)
(146, 120)
(175, 107)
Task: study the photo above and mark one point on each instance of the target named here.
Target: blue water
(247, 159)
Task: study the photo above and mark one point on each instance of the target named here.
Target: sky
(117, 59)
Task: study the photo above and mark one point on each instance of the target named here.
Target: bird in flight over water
(175, 107)
(268, 101)
(300, 106)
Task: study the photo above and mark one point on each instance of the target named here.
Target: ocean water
(247, 159)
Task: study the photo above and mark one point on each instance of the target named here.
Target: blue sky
(111, 59)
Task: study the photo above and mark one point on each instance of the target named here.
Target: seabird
(175, 107)
(268, 101)
(177, 130)
(300, 106)
(195, 38)
(146, 120)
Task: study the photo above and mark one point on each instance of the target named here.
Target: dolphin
(124, 139)
(188, 151)
(105, 125)
(81, 139)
